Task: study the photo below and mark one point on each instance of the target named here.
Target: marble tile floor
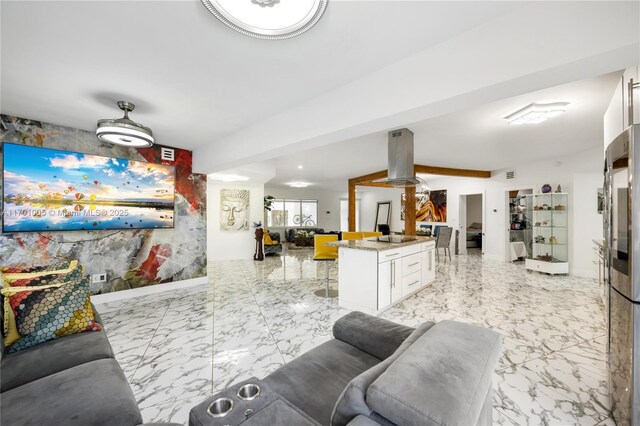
(179, 347)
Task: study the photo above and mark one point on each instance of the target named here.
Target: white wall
(613, 117)
(587, 222)
(616, 118)
(579, 175)
(225, 245)
(328, 204)
(369, 198)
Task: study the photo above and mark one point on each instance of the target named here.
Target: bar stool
(371, 234)
(326, 254)
(384, 228)
(350, 236)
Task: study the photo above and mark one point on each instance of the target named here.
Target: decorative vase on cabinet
(548, 241)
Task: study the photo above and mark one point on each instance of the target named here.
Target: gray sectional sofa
(374, 372)
(290, 233)
(73, 380)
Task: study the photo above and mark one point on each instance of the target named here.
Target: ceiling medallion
(290, 19)
(265, 3)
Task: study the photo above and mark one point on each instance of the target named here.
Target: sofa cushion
(275, 237)
(96, 315)
(267, 239)
(10, 274)
(352, 401)
(26, 366)
(451, 368)
(363, 421)
(376, 336)
(313, 382)
(95, 393)
(55, 274)
(48, 312)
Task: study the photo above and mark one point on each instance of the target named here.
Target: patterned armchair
(272, 244)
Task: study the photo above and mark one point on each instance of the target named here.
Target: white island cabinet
(373, 276)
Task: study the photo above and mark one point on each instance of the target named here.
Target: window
(290, 213)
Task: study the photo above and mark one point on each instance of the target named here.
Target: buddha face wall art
(234, 210)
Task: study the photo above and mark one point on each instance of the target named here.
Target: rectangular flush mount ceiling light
(536, 113)
(227, 178)
(299, 184)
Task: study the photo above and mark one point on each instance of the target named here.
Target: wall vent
(511, 174)
(167, 154)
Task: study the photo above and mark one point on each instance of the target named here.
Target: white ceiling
(367, 67)
(193, 79)
(534, 46)
(476, 138)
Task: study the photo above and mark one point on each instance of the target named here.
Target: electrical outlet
(99, 278)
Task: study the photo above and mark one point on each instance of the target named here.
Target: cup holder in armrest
(249, 391)
(220, 407)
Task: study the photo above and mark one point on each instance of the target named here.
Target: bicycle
(303, 220)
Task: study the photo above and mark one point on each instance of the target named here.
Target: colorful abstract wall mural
(131, 258)
(431, 206)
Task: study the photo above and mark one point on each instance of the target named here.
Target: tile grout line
(551, 353)
(264, 318)
(154, 335)
(552, 392)
(498, 408)
(212, 283)
(324, 301)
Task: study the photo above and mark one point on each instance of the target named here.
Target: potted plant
(268, 205)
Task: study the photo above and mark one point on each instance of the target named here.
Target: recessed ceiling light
(536, 113)
(227, 178)
(298, 184)
(268, 19)
(300, 166)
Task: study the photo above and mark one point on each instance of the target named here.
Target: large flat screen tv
(52, 190)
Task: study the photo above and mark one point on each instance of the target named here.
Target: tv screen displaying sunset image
(51, 190)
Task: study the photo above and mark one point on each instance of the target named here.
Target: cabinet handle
(392, 254)
(414, 283)
(414, 264)
(393, 275)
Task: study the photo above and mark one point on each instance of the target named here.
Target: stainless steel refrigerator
(622, 235)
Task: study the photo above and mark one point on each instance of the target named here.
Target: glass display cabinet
(548, 241)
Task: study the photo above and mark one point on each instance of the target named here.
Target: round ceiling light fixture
(123, 131)
(268, 19)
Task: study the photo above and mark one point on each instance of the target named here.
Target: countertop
(600, 243)
(372, 244)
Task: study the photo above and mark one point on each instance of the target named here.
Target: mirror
(383, 214)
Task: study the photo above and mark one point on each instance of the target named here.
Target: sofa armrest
(362, 421)
(96, 315)
(444, 378)
(373, 335)
(161, 424)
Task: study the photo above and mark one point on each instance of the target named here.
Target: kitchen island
(374, 275)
